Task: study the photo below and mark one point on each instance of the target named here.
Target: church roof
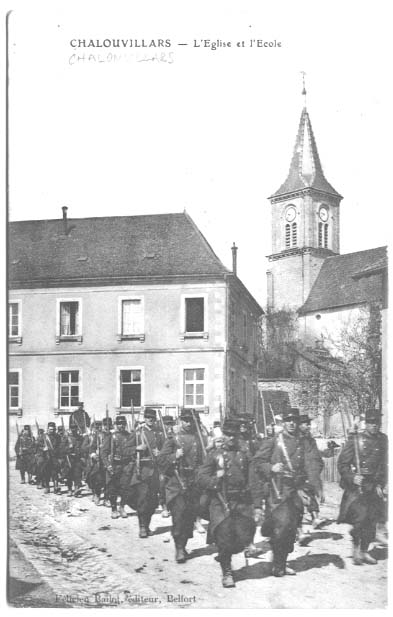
(108, 248)
(306, 169)
(343, 281)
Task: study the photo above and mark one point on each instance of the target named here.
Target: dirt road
(69, 552)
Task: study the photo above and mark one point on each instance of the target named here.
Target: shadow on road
(321, 535)
(159, 530)
(307, 562)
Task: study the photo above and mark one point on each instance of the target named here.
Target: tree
(349, 366)
(278, 344)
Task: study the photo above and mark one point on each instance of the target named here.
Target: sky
(151, 130)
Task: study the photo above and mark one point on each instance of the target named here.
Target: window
(14, 390)
(69, 320)
(323, 235)
(244, 328)
(290, 235)
(130, 387)
(15, 322)
(232, 386)
(244, 395)
(195, 314)
(194, 317)
(194, 387)
(294, 234)
(287, 236)
(69, 388)
(131, 319)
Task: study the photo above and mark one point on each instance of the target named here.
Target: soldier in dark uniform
(363, 468)
(25, 450)
(107, 428)
(314, 467)
(81, 418)
(50, 469)
(95, 472)
(282, 462)
(63, 460)
(224, 475)
(179, 459)
(75, 455)
(169, 423)
(118, 451)
(40, 457)
(248, 441)
(140, 482)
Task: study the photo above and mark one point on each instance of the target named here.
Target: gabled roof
(111, 247)
(338, 283)
(306, 169)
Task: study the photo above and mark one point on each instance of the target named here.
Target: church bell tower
(305, 224)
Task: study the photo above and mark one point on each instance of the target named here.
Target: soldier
(40, 457)
(247, 438)
(25, 450)
(63, 460)
(51, 465)
(314, 466)
(118, 451)
(178, 460)
(95, 472)
(77, 461)
(140, 482)
(283, 462)
(169, 423)
(81, 418)
(224, 474)
(362, 466)
(107, 428)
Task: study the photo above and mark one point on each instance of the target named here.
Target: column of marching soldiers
(231, 477)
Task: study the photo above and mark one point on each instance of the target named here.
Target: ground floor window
(68, 389)
(14, 390)
(194, 387)
(130, 387)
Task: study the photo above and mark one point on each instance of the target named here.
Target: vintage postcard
(197, 252)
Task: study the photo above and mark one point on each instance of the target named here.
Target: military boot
(357, 555)
(366, 558)
(227, 576)
(29, 478)
(122, 512)
(47, 489)
(115, 514)
(181, 554)
(22, 478)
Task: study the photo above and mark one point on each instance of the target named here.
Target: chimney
(65, 222)
(234, 258)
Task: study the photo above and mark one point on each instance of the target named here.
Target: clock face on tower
(323, 214)
(290, 214)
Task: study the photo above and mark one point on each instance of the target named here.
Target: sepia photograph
(197, 233)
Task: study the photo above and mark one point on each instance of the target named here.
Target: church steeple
(306, 169)
(305, 222)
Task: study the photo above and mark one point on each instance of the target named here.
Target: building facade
(123, 313)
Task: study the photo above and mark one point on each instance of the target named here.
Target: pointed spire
(304, 91)
(306, 169)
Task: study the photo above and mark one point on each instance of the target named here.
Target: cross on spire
(304, 91)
